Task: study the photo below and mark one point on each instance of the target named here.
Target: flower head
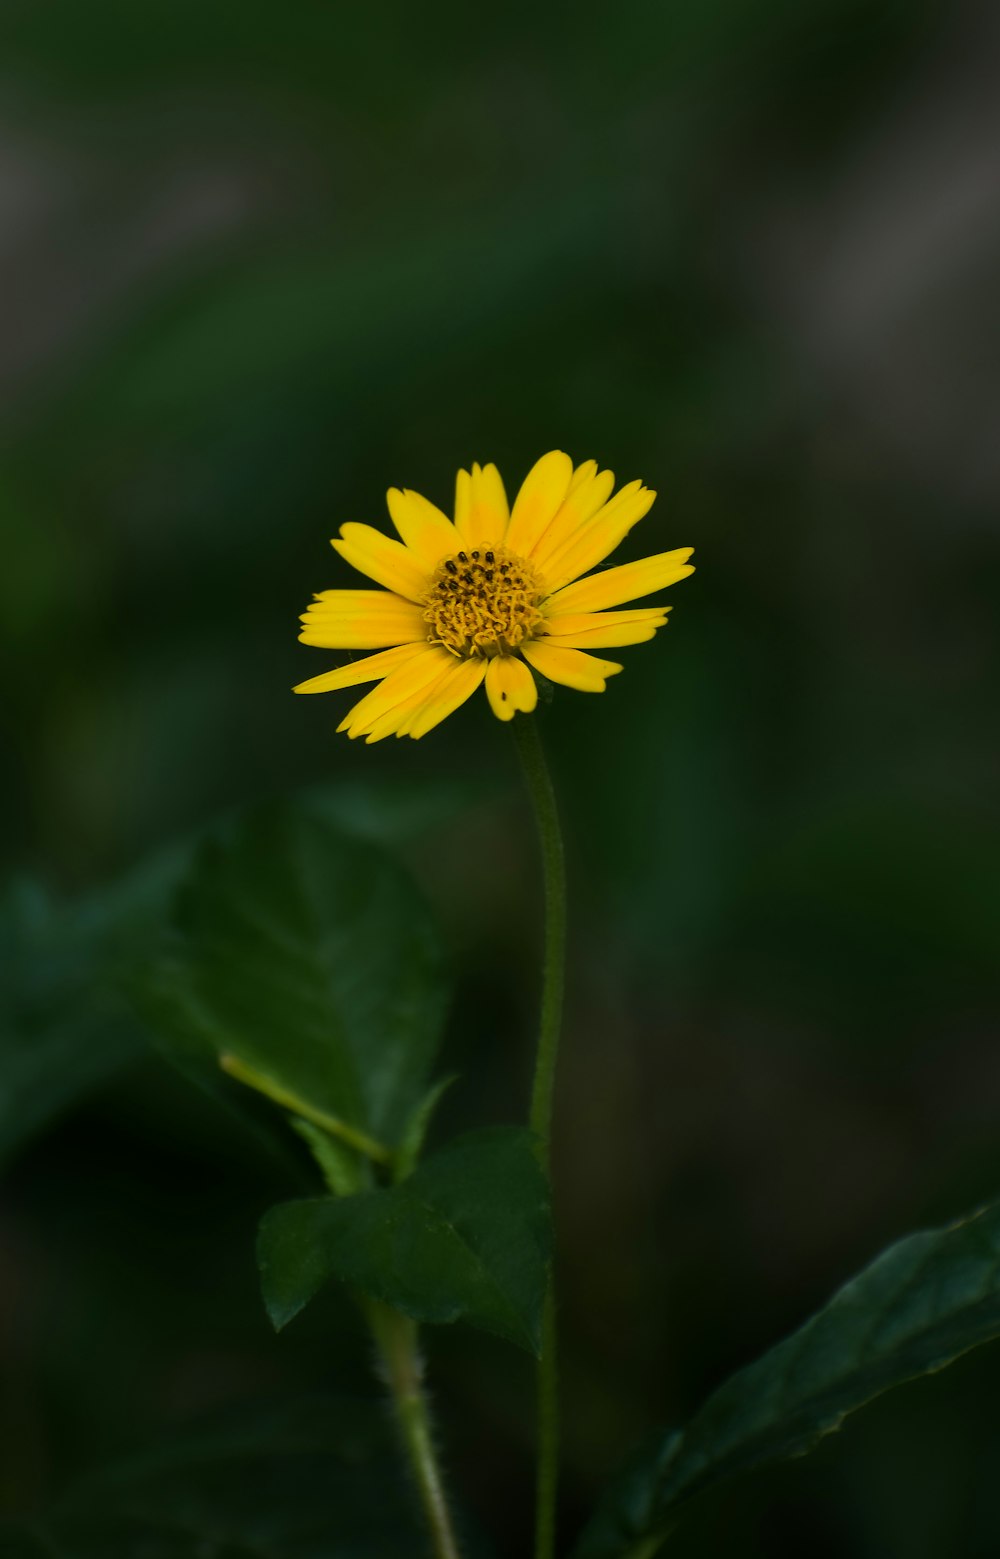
(488, 596)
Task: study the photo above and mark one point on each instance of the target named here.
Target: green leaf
(411, 1143)
(316, 1479)
(920, 1305)
(309, 957)
(56, 1042)
(339, 1165)
(64, 1027)
(465, 1237)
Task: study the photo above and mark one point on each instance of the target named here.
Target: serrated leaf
(465, 1237)
(920, 1305)
(309, 957)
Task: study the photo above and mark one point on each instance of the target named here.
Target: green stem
(359, 1140)
(543, 799)
(396, 1339)
(395, 1335)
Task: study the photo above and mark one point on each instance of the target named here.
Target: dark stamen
(451, 567)
(489, 557)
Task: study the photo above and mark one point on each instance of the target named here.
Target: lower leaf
(465, 1237)
(920, 1305)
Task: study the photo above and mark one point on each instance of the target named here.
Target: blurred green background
(262, 263)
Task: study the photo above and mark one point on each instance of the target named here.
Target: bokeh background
(261, 263)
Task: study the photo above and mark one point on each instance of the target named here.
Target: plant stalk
(543, 800)
(395, 1335)
(396, 1340)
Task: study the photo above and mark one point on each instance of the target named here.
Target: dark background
(259, 264)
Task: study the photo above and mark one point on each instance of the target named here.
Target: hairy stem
(543, 799)
(396, 1340)
(395, 1335)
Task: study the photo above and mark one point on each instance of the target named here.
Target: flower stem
(543, 799)
(396, 1339)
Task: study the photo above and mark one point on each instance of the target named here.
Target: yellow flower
(487, 596)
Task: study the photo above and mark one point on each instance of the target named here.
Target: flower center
(483, 602)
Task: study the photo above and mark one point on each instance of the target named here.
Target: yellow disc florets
(483, 602)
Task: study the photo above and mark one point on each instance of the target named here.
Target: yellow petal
(445, 695)
(605, 630)
(571, 667)
(630, 582)
(361, 620)
(583, 473)
(397, 721)
(481, 521)
(542, 491)
(463, 499)
(582, 502)
(356, 601)
(407, 712)
(398, 686)
(598, 535)
(382, 559)
(371, 669)
(558, 623)
(428, 533)
(510, 687)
